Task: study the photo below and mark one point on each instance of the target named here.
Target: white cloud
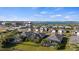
(57, 15)
(26, 19)
(72, 12)
(11, 18)
(2, 18)
(43, 12)
(67, 17)
(58, 8)
(52, 16)
(38, 15)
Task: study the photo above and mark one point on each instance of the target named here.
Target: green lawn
(30, 46)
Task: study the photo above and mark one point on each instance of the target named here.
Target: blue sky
(39, 14)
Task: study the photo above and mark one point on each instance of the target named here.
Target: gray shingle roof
(74, 40)
(56, 38)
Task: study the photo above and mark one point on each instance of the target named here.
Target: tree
(8, 24)
(63, 43)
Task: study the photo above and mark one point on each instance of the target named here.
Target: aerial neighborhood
(58, 36)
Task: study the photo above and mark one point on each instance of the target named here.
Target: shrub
(45, 43)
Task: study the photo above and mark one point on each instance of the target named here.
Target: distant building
(68, 27)
(43, 28)
(28, 24)
(25, 28)
(61, 31)
(54, 27)
(76, 32)
(61, 27)
(53, 31)
(14, 24)
(29, 27)
(3, 23)
(36, 29)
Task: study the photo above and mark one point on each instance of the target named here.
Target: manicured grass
(30, 46)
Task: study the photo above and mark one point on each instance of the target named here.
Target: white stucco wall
(59, 31)
(77, 33)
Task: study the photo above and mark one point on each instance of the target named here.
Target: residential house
(61, 31)
(61, 27)
(43, 28)
(68, 27)
(53, 31)
(36, 29)
(74, 39)
(54, 40)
